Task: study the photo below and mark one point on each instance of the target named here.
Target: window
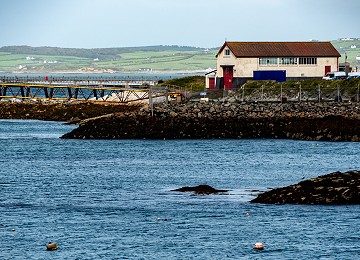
(227, 52)
(268, 61)
(307, 60)
(288, 61)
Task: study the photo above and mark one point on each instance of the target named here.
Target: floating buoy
(247, 214)
(158, 218)
(259, 246)
(51, 246)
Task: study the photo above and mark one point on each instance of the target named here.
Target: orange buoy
(259, 246)
(51, 246)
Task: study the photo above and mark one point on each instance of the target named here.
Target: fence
(95, 90)
(264, 93)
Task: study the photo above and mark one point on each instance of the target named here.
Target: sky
(197, 23)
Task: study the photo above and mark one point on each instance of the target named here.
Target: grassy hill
(133, 59)
(128, 59)
(347, 46)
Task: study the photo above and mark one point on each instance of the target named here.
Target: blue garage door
(278, 75)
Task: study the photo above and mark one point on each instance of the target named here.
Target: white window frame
(268, 61)
(288, 61)
(308, 61)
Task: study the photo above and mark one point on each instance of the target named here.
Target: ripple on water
(111, 199)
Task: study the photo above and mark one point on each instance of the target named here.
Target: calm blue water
(100, 199)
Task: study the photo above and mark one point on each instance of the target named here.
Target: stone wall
(303, 121)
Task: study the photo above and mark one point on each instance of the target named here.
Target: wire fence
(265, 93)
(342, 91)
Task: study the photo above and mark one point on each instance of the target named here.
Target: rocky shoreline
(302, 121)
(333, 121)
(332, 189)
(60, 111)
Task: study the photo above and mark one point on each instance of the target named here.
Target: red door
(327, 69)
(228, 76)
(211, 83)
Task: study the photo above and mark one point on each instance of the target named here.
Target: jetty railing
(82, 90)
(123, 91)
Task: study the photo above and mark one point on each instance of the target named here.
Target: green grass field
(126, 62)
(155, 58)
(161, 61)
(351, 53)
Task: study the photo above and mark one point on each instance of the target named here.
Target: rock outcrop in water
(304, 121)
(201, 189)
(335, 188)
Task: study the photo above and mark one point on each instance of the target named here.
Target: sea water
(112, 199)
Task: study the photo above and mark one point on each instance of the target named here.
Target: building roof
(281, 49)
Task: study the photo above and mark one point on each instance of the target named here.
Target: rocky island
(322, 121)
(332, 189)
(331, 121)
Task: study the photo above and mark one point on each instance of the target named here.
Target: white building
(238, 62)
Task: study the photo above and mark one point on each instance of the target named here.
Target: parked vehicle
(335, 75)
(353, 75)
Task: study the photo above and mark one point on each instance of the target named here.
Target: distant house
(210, 77)
(238, 62)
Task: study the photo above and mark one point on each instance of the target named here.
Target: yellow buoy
(51, 246)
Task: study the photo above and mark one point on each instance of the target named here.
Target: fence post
(319, 93)
(357, 96)
(151, 102)
(300, 93)
(262, 92)
(166, 95)
(281, 94)
(243, 90)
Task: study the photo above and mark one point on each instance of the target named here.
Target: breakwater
(333, 121)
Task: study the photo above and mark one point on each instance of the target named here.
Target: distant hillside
(28, 59)
(350, 46)
(160, 58)
(100, 53)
